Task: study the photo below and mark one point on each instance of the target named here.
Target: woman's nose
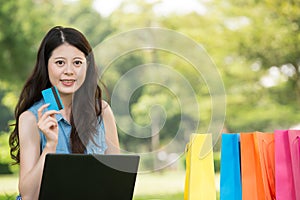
(69, 69)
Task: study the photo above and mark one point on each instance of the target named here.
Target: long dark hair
(86, 104)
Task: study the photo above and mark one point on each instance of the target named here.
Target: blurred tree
(82, 15)
(265, 42)
(22, 23)
(249, 40)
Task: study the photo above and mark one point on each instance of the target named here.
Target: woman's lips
(68, 82)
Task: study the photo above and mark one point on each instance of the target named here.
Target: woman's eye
(77, 63)
(60, 63)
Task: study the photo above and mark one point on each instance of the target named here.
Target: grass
(158, 183)
(177, 196)
(8, 197)
(8, 187)
(8, 184)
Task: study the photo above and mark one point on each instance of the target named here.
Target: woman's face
(67, 68)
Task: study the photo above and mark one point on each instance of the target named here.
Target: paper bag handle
(205, 149)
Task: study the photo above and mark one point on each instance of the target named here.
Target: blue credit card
(52, 97)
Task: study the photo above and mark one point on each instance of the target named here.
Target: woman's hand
(47, 123)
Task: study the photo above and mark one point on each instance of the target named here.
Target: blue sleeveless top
(64, 132)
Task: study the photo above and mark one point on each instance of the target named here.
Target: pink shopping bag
(294, 141)
(284, 183)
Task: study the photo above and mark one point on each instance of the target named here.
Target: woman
(86, 123)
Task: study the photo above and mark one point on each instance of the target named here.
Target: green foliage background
(248, 40)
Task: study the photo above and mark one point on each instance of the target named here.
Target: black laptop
(89, 177)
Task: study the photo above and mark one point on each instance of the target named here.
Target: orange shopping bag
(257, 166)
(266, 149)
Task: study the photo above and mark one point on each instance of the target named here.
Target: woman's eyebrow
(59, 57)
(77, 57)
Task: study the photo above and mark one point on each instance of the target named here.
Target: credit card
(51, 96)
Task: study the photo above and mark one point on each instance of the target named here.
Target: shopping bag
(294, 142)
(257, 166)
(230, 173)
(265, 142)
(284, 183)
(200, 177)
(252, 184)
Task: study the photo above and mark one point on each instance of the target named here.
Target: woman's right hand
(48, 124)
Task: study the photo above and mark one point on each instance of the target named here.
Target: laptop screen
(84, 177)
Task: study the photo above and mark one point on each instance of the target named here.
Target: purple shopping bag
(284, 183)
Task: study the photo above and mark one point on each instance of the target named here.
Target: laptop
(88, 177)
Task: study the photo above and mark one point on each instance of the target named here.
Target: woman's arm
(31, 161)
(111, 133)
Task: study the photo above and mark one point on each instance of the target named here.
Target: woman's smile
(68, 82)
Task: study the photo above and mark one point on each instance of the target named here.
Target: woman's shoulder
(28, 130)
(32, 112)
(105, 107)
(107, 113)
(27, 116)
(104, 104)
(27, 123)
